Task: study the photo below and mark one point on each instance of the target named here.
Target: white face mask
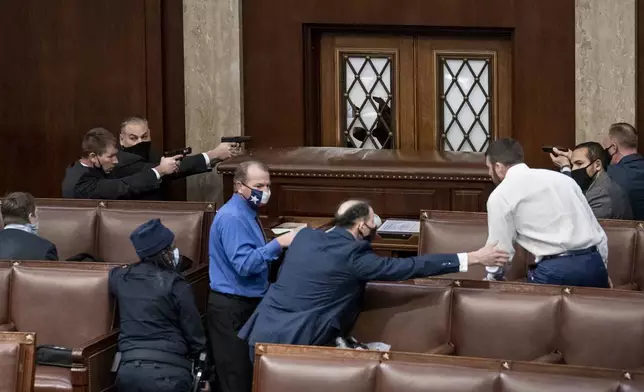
(266, 195)
(177, 258)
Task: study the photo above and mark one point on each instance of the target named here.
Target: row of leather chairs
(102, 228)
(454, 231)
(280, 368)
(68, 304)
(505, 320)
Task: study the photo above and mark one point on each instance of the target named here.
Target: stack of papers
(287, 227)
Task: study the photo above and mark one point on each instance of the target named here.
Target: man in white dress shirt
(547, 214)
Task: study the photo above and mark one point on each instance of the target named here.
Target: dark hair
(97, 141)
(241, 173)
(16, 208)
(594, 151)
(505, 151)
(348, 218)
(624, 133)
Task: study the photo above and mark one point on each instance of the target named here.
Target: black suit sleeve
(52, 253)
(190, 165)
(189, 318)
(94, 186)
(369, 266)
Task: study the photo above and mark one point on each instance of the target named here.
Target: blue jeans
(587, 270)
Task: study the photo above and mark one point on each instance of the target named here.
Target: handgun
(236, 139)
(550, 149)
(182, 151)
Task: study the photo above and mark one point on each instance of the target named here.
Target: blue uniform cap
(151, 238)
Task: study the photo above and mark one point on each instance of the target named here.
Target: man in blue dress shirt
(239, 266)
(626, 166)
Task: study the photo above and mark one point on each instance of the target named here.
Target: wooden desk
(382, 246)
(313, 181)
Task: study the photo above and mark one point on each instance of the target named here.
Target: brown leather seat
(454, 231)
(313, 369)
(102, 228)
(506, 320)
(16, 361)
(74, 303)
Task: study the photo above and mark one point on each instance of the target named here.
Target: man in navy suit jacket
(19, 240)
(317, 295)
(626, 165)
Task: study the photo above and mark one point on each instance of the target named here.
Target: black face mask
(141, 149)
(371, 236)
(608, 157)
(582, 178)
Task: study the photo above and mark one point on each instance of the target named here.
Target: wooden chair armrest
(554, 357)
(444, 349)
(7, 327)
(81, 353)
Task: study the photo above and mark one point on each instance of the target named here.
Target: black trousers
(147, 376)
(227, 314)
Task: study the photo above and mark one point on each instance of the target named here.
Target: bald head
(352, 212)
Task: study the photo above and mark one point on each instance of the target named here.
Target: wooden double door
(415, 92)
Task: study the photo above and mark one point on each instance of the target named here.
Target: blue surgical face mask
(33, 228)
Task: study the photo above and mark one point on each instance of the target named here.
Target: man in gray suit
(585, 164)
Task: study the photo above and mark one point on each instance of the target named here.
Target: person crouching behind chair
(161, 332)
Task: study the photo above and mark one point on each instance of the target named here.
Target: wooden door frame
(313, 33)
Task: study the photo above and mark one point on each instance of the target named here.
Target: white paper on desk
(286, 227)
(400, 226)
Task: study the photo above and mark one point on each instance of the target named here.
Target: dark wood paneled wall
(543, 33)
(69, 65)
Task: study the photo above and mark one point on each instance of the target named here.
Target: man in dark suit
(19, 239)
(89, 178)
(135, 154)
(585, 164)
(317, 295)
(626, 166)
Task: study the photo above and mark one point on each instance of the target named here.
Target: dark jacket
(130, 164)
(607, 199)
(629, 174)
(95, 184)
(318, 292)
(157, 311)
(73, 173)
(16, 244)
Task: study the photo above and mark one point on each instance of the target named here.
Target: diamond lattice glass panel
(367, 96)
(465, 102)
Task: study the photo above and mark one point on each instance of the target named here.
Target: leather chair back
(302, 368)
(115, 227)
(406, 309)
(102, 228)
(454, 231)
(71, 229)
(443, 232)
(64, 306)
(506, 320)
(17, 361)
(5, 279)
